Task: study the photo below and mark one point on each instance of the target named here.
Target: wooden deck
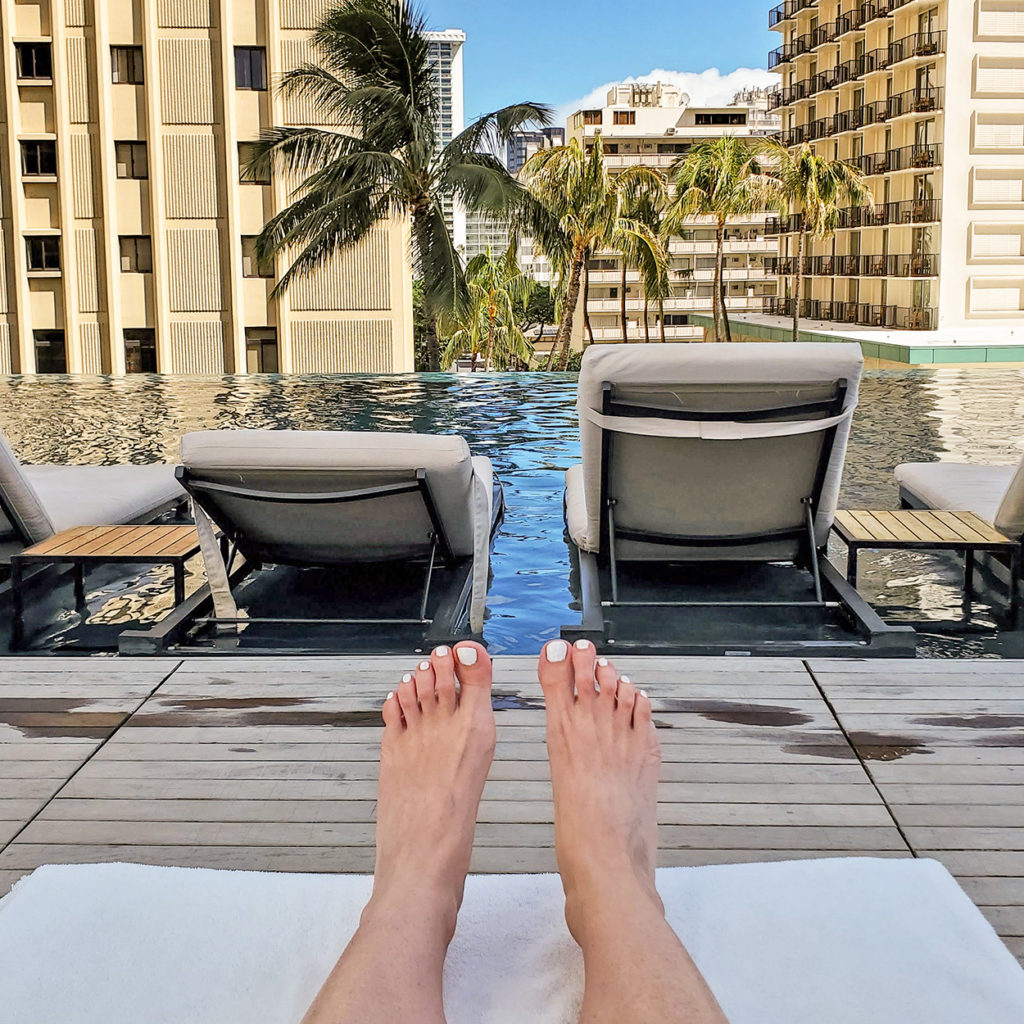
(271, 764)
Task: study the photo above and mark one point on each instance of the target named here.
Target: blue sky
(562, 51)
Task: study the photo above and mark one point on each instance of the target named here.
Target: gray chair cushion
(965, 487)
(319, 460)
(103, 495)
(25, 512)
(707, 488)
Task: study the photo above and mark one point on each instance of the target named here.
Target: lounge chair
(37, 502)
(346, 500)
(724, 454)
(996, 493)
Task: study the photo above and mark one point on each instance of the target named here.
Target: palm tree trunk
(622, 302)
(490, 340)
(726, 329)
(661, 319)
(717, 300)
(433, 348)
(569, 307)
(586, 303)
(647, 320)
(798, 285)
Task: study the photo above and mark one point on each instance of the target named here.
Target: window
(140, 350)
(50, 353)
(251, 265)
(34, 61)
(261, 350)
(250, 67)
(246, 152)
(719, 119)
(126, 66)
(592, 117)
(136, 254)
(39, 159)
(132, 160)
(624, 117)
(43, 252)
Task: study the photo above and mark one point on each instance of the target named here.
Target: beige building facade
(927, 98)
(126, 230)
(653, 125)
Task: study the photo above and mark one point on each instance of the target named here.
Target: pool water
(526, 423)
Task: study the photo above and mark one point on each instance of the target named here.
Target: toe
(555, 673)
(473, 667)
(607, 679)
(425, 686)
(642, 715)
(625, 698)
(392, 713)
(407, 699)
(444, 677)
(584, 656)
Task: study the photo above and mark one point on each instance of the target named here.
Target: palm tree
(821, 188)
(638, 236)
(499, 292)
(375, 77)
(578, 207)
(719, 178)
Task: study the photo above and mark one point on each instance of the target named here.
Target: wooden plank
(58, 540)
(943, 526)
(903, 528)
(109, 539)
(869, 527)
(983, 530)
(145, 543)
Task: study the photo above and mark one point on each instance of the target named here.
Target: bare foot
(605, 761)
(437, 749)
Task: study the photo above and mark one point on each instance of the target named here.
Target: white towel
(813, 942)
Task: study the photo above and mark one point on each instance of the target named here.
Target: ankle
(416, 907)
(596, 913)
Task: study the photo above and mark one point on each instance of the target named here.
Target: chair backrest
(373, 508)
(1010, 515)
(715, 442)
(22, 516)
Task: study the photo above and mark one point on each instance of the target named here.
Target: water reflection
(527, 424)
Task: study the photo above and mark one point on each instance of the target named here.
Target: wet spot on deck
(738, 713)
(53, 724)
(242, 750)
(980, 721)
(834, 751)
(883, 747)
(217, 718)
(510, 700)
(233, 703)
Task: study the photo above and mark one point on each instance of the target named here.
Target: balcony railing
(914, 101)
(849, 265)
(904, 318)
(902, 159)
(910, 211)
(787, 10)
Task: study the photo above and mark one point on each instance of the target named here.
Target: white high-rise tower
(446, 53)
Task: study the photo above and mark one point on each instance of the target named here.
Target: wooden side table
(87, 546)
(925, 530)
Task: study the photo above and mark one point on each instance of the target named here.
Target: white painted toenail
(643, 693)
(407, 678)
(466, 655)
(582, 645)
(557, 650)
(389, 696)
(441, 652)
(603, 662)
(625, 679)
(424, 665)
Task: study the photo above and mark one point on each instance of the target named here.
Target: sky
(567, 52)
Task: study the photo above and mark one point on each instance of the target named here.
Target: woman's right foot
(605, 762)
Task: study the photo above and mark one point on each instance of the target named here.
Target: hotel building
(524, 144)
(446, 61)
(926, 97)
(126, 229)
(653, 125)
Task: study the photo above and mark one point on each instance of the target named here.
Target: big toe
(556, 674)
(475, 672)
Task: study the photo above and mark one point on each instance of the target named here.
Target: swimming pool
(526, 423)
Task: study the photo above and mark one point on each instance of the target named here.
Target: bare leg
(437, 749)
(604, 769)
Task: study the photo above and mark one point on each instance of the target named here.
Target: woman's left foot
(436, 752)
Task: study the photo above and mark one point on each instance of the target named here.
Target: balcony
(903, 159)
(788, 10)
(854, 265)
(911, 211)
(903, 318)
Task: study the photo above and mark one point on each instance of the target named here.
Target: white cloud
(705, 88)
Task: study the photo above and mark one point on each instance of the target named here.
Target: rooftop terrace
(271, 764)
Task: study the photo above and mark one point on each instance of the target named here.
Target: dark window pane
(34, 60)
(140, 351)
(50, 354)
